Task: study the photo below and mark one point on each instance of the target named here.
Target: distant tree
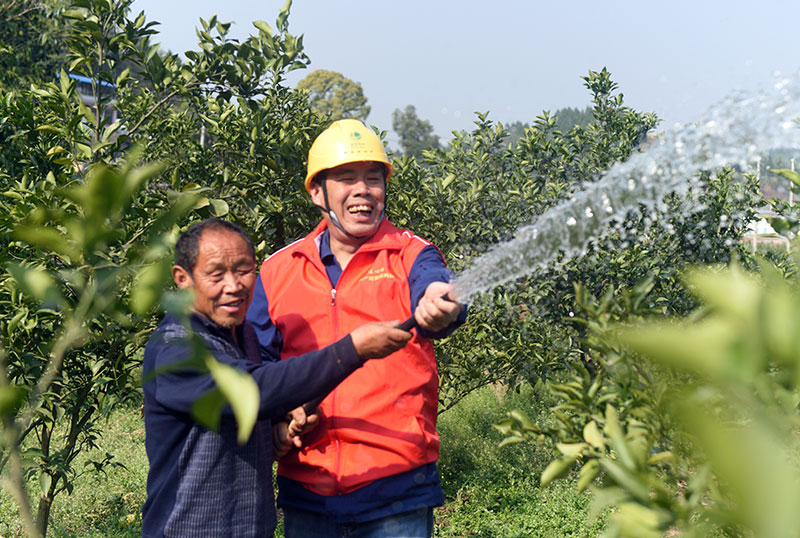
(333, 94)
(415, 134)
(516, 131)
(31, 42)
(567, 118)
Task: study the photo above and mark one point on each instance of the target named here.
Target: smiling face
(357, 194)
(223, 277)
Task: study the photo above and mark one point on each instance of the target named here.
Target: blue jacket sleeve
(427, 268)
(269, 338)
(283, 385)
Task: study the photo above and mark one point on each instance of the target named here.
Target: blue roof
(87, 80)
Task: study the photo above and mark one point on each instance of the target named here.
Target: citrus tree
(93, 200)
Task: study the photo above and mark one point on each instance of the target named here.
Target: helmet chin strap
(335, 220)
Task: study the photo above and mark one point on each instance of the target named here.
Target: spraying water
(734, 132)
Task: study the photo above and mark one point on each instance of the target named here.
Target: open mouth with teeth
(233, 305)
(361, 210)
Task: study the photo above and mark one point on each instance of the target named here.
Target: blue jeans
(303, 524)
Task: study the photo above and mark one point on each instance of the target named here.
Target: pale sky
(516, 58)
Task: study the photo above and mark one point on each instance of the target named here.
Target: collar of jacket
(387, 237)
(201, 323)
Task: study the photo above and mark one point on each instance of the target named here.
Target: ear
(315, 189)
(182, 277)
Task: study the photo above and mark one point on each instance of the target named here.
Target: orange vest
(381, 420)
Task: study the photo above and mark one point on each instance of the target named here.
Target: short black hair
(188, 244)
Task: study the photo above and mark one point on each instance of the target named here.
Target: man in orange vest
(369, 465)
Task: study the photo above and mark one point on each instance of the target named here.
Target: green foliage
(31, 47)
(496, 493)
(71, 261)
(415, 134)
(334, 96)
(87, 227)
(787, 219)
(700, 438)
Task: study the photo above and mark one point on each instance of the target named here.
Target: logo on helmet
(357, 142)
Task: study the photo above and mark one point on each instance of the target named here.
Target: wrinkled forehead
(221, 243)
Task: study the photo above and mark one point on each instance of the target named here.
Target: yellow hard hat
(345, 141)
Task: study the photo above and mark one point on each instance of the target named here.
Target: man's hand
(287, 435)
(434, 313)
(300, 423)
(379, 339)
(282, 442)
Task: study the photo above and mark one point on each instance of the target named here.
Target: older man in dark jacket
(203, 482)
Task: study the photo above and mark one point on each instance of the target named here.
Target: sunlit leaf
(37, 283)
(556, 469)
(151, 281)
(240, 391)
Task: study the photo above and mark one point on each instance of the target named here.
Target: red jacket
(382, 419)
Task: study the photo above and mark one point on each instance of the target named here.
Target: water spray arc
(734, 132)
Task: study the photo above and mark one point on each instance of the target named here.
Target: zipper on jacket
(337, 470)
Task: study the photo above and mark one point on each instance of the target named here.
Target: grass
(490, 492)
(493, 492)
(102, 505)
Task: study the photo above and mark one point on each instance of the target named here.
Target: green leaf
(241, 392)
(151, 281)
(523, 419)
(45, 480)
(701, 348)
(207, 409)
(512, 440)
(505, 426)
(572, 450)
(587, 474)
(36, 283)
(557, 469)
(12, 324)
(791, 175)
(618, 442)
(733, 292)
(11, 398)
(124, 76)
(635, 520)
(592, 435)
(625, 479)
(220, 207)
(661, 457)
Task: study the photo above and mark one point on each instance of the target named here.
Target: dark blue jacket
(203, 483)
